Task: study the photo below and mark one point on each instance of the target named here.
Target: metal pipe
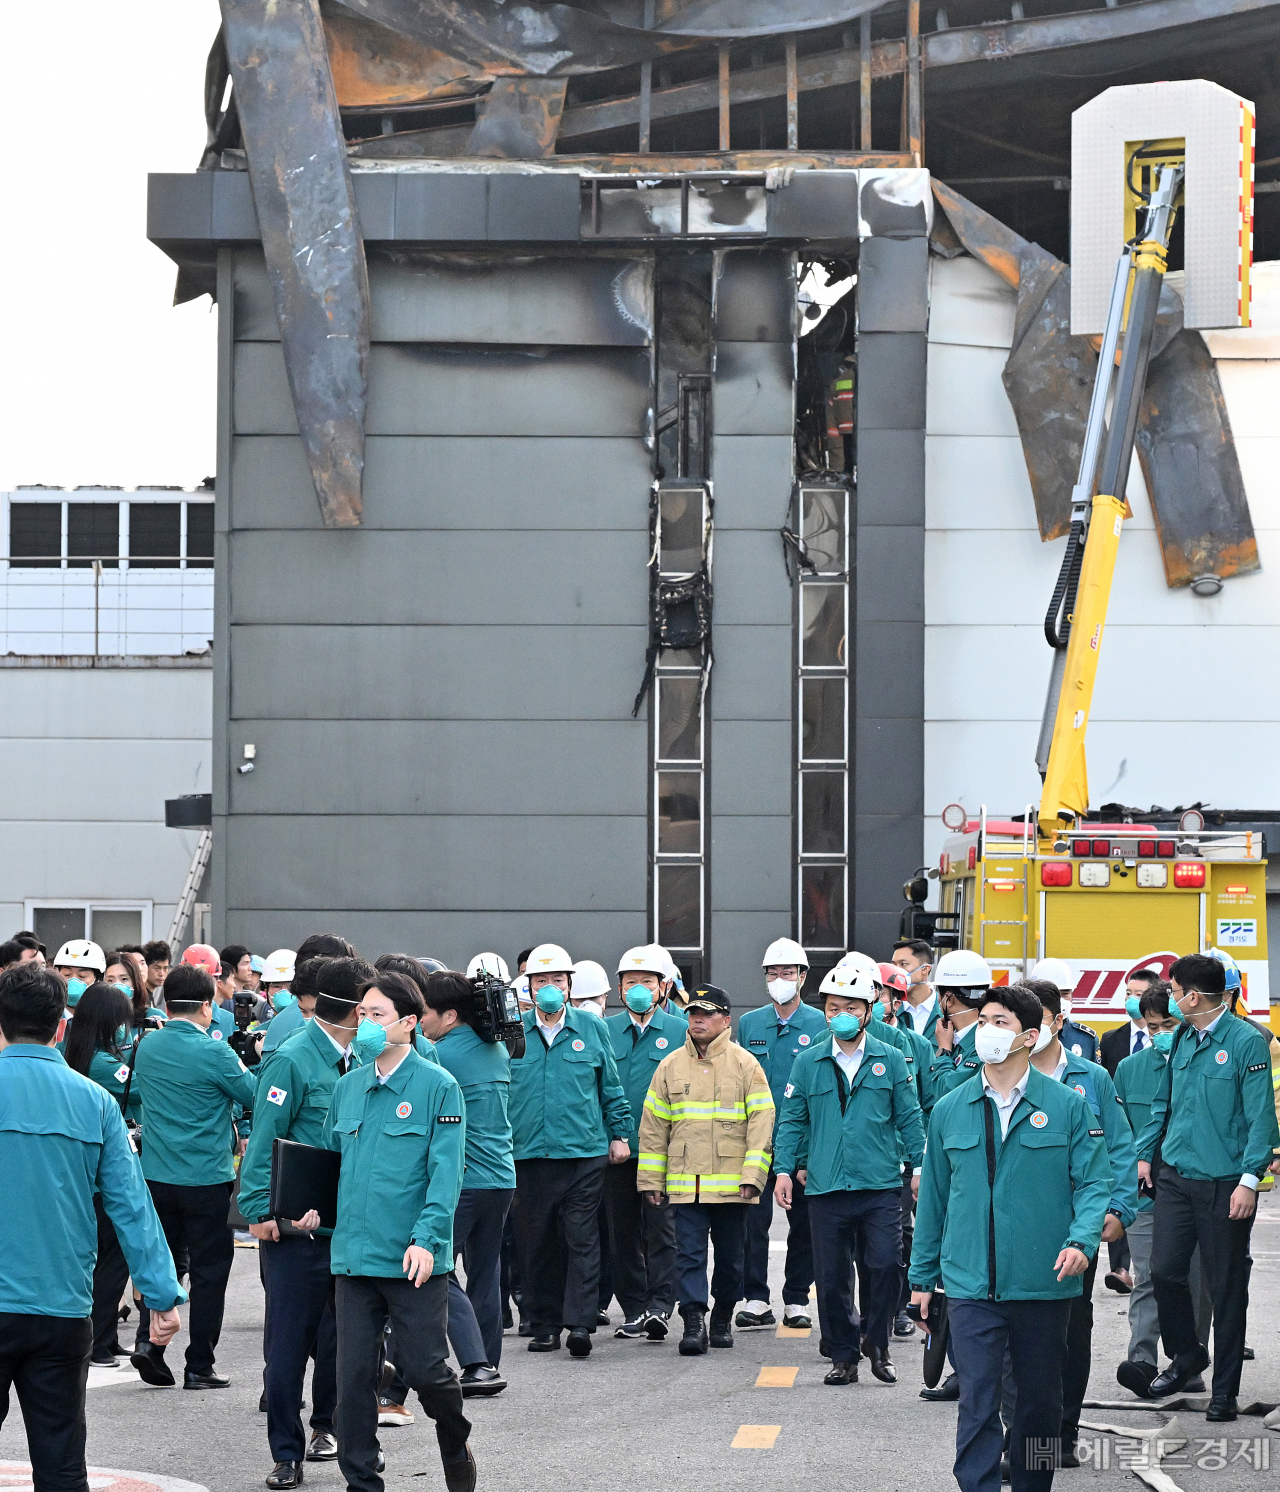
(793, 106)
(915, 105)
(724, 98)
(864, 82)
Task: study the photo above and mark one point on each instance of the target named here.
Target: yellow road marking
(777, 1378)
(755, 1437)
(794, 1331)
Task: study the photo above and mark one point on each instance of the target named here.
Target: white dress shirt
(849, 1062)
(1006, 1106)
(549, 1033)
(920, 1013)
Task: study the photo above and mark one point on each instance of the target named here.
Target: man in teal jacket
(851, 1109)
(189, 1087)
(569, 1119)
(1016, 1145)
(642, 1239)
(62, 1140)
(295, 1089)
(961, 983)
(399, 1124)
(775, 1035)
(1213, 1123)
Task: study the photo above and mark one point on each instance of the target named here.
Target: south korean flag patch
(789, 1090)
(277, 1096)
(121, 1074)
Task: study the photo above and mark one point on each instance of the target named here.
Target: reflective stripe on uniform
(758, 1101)
(656, 1106)
(760, 1158)
(723, 1183)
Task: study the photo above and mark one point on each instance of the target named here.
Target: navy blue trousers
(866, 1225)
(475, 1315)
(725, 1224)
(798, 1271)
(299, 1323)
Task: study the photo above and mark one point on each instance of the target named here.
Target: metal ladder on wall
(195, 874)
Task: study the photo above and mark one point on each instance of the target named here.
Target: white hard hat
(491, 963)
(548, 958)
(1055, 971)
(590, 980)
(853, 961)
(853, 984)
(962, 969)
(648, 958)
(521, 986)
(785, 951)
(80, 953)
(278, 968)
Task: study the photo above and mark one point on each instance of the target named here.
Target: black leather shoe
(720, 1330)
(842, 1372)
(285, 1474)
(1006, 1472)
(602, 1318)
(1194, 1384)
(460, 1475)
(1174, 1378)
(107, 1360)
(152, 1367)
(1136, 1377)
(823, 1349)
(579, 1342)
(947, 1392)
(380, 1465)
(1068, 1457)
(1222, 1409)
(881, 1367)
(694, 1341)
(903, 1325)
(480, 1380)
(525, 1330)
(547, 1341)
(1247, 1355)
(323, 1447)
(205, 1380)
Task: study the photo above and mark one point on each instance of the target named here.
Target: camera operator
(62, 1143)
(189, 1085)
(295, 1087)
(483, 1070)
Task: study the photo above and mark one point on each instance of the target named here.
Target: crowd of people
(951, 1153)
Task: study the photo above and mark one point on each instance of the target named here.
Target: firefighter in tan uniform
(705, 1139)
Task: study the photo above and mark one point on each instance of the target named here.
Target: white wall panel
(964, 392)
(100, 781)
(977, 481)
(173, 703)
(970, 304)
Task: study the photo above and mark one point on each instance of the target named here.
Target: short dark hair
(157, 952)
(132, 948)
(1019, 1000)
(918, 946)
(32, 999)
(1155, 1001)
(974, 998)
(1048, 993)
(523, 956)
(187, 986)
(448, 990)
(225, 970)
(28, 939)
(1197, 971)
(10, 953)
(342, 980)
(403, 993)
(323, 945)
(102, 1010)
(233, 953)
(403, 963)
(1151, 976)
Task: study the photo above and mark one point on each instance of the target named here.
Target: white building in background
(106, 628)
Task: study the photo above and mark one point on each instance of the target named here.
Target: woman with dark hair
(98, 1045)
(124, 974)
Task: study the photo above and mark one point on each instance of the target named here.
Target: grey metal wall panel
(891, 388)
(446, 578)
(891, 476)
(890, 754)
(443, 767)
(885, 842)
(752, 391)
(752, 481)
(533, 207)
(409, 862)
(179, 205)
(473, 299)
(816, 204)
(441, 206)
(742, 938)
(444, 673)
(752, 676)
(754, 296)
(739, 748)
(376, 205)
(457, 482)
(893, 279)
(233, 213)
(751, 861)
(750, 578)
(890, 567)
(426, 390)
(892, 653)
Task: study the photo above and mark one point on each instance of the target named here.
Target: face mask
(993, 1044)
(877, 1011)
(370, 1037)
(122, 1035)
(549, 999)
(75, 988)
(782, 990)
(592, 1007)
(1043, 1040)
(639, 999)
(844, 1026)
(1066, 1008)
(1132, 1008)
(1163, 1041)
(125, 989)
(282, 999)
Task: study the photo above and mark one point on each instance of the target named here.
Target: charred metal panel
(754, 388)
(518, 119)
(816, 204)
(437, 206)
(307, 216)
(1188, 457)
(532, 208)
(754, 296)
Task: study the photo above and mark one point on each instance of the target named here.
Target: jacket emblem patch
(579, 1046)
(804, 1041)
(277, 1096)
(121, 1074)
(661, 1043)
(1038, 1120)
(448, 1118)
(878, 1069)
(1221, 1059)
(403, 1110)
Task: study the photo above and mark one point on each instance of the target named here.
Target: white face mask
(782, 990)
(993, 1044)
(1066, 1007)
(1043, 1040)
(592, 1007)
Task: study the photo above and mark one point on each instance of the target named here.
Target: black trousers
(870, 1224)
(194, 1219)
(798, 1272)
(725, 1224)
(642, 1245)
(908, 1233)
(1186, 1213)
(418, 1315)
(477, 1235)
(298, 1324)
(46, 1359)
(1034, 1333)
(110, 1276)
(559, 1241)
(1075, 1371)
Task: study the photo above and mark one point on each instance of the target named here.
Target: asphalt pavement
(638, 1417)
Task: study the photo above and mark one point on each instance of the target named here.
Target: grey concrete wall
(440, 699)
(750, 701)
(888, 611)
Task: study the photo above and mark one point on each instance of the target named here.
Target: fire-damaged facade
(578, 372)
